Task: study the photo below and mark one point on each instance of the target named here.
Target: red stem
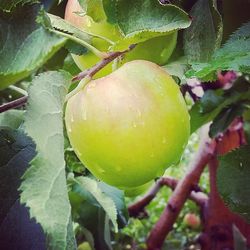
(180, 195)
(14, 104)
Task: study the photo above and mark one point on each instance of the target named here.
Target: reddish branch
(181, 194)
(137, 209)
(97, 67)
(14, 104)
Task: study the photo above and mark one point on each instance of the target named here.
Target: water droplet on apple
(152, 155)
(84, 114)
(134, 125)
(164, 140)
(72, 119)
(139, 113)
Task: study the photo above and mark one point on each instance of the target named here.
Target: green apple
(134, 191)
(129, 126)
(156, 50)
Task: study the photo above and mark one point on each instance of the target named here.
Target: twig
(92, 71)
(137, 209)
(14, 104)
(181, 193)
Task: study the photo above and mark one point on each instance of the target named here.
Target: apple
(192, 220)
(84, 246)
(129, 126)
(157, 49)
(134, 191)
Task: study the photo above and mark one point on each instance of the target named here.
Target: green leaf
(105, 201)
(140, 20)
(24, 45)
(90, 214)
(18, 231)
(44, 188)
(9, 5)
(233, 180)
(224, 119)
(177, 68)
(16, 150)
(62, 25)
(205, 33)
(214, 101)
(12, 118)
(234, 55)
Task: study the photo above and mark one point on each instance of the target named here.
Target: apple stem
(97, 67)
(80, 86)
(94, 50)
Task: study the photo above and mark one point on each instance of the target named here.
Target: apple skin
(192, 220)
(157, 50)
(135, 191)
(129, 126)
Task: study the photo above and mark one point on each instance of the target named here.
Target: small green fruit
(129, 126)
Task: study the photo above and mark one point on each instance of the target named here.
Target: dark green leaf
(154, 19)
(234, 55)
(16, 151)
(18, 231)
(24, 45)
(233, 180)
(224, 119)
(9, 5)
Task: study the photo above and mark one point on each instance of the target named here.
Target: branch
(181, 193)
(97, 67)
(137, 209)
(14, 104)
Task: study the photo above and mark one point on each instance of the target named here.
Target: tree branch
(14, 104)
(92, 71)
(137, 209)
(181, 193)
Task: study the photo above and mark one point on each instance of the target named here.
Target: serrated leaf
(154, 19)
(233, 180)
(234, 55)
(44, 188)
(205, 33)
(24, 45)
(9, 5)
(12, 118)
(62, 25)
(105, 201)
(90, 214)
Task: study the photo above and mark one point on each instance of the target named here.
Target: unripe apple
(156, 50)
(134, 191)
(192, 220)
(129, 126)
